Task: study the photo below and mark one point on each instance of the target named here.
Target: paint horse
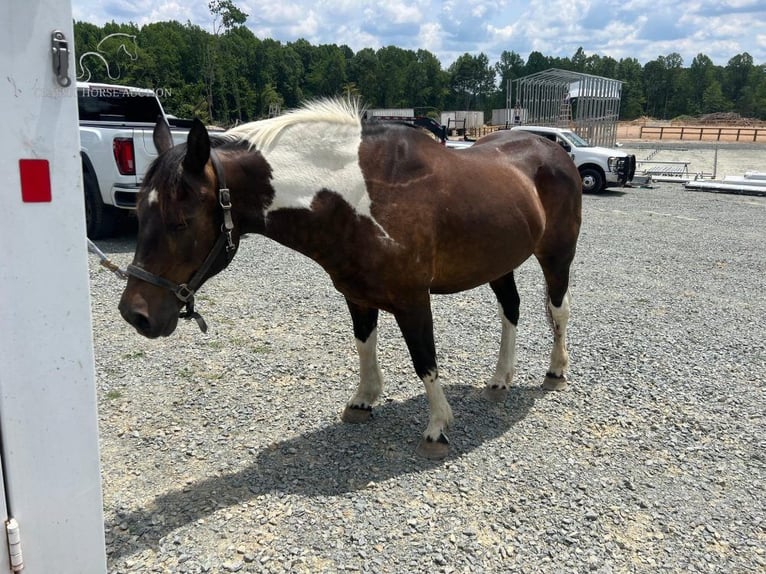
(390, 214)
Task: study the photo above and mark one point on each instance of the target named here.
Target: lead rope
(104, 260)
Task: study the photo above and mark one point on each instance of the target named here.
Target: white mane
(262, 134)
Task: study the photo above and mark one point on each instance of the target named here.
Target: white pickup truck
(116, 147)
(599, 167)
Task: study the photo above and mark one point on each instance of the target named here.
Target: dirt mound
(728, 119)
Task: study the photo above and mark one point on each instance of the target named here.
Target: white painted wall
(48, 422)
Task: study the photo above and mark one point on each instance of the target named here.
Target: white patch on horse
(370, 377)
(153, 198)
(559, 317)
(309, 150)
(506, 360)
(441, 412)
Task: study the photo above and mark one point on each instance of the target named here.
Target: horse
(390, 214)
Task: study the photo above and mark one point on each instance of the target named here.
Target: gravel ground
(225, 453)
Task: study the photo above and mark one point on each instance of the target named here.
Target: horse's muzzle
(135, 310)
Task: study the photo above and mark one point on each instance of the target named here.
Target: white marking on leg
(506, 359)
(559, 317)
(370, 376)
(153, 198)
(440, 411)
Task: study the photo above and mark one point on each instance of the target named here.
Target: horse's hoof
(356, 415)
(433, 450)
(554, 382)
(496, 394)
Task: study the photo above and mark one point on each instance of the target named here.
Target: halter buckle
(224, 198)
(184, 293)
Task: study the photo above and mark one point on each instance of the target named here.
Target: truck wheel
(100, 219)
(592, 180)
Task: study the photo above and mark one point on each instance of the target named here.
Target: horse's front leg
(359, 408)
(416, 325)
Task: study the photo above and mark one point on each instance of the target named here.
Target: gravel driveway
(225, 453)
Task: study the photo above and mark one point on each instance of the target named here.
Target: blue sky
(642, 29)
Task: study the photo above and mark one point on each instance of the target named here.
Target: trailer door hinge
(14, 545)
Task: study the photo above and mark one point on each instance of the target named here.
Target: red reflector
(35, 180)
(124, 156)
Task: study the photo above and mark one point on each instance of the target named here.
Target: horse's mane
(261, 134)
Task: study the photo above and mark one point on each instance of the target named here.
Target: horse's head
(184, 233)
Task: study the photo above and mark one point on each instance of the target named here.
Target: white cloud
(401, 12)
(501, 34)
(432, 36)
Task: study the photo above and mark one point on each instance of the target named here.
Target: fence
(704, 133)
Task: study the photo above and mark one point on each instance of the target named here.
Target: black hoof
(554, 382)
(496, 394)
(356, 415)
(433, 449)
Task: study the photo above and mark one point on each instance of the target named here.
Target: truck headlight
(614, 164)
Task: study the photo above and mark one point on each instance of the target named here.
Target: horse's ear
(197, 148)
(163, 140)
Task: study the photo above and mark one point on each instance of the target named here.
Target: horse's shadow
(609, 192)
(334, 460)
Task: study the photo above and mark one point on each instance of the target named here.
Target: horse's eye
(179, 227)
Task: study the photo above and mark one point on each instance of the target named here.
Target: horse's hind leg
(556, 271)
(359, 408)
(508, 309)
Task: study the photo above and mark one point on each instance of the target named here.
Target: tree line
(228, 75)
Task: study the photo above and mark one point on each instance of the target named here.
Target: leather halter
(185, 291)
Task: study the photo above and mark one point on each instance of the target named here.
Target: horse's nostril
(140, 322)
(135, 313)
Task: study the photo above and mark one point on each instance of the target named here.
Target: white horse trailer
(50, 487)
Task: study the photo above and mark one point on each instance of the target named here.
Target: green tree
(737, 74)
(630, 72)
(392, 79)
(580, 61)
(327, 73)
(289, 73)
(510, 67)
(536, 62)
(472, 80)
(226, 17)
(364, 72)
(701, 75)
(713, 99)
(662, 78)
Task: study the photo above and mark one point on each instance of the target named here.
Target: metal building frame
(587, 104)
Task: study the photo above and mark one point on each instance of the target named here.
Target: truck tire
(592, 180)
(100, 219)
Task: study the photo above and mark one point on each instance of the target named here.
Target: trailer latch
(60, 54)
